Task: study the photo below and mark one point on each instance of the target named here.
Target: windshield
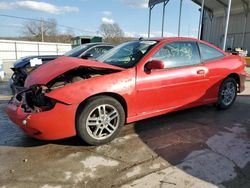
(128, 54)
(77, 51)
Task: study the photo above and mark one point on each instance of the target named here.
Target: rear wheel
(227, 93)
(100, 120)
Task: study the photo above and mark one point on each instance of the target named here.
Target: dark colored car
(24, 66)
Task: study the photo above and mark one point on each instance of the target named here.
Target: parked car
(25, 65)
(133, 81)
(2, 73)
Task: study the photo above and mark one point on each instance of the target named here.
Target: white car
(2, 73)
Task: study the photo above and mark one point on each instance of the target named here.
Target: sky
(86, 16)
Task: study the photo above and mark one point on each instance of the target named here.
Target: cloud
(107, 20)
(106, 13)
(136, 3)
(38, 6)
(4, 5)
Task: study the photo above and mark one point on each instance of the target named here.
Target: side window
(99, 50)
(178, 54)
(209, 53)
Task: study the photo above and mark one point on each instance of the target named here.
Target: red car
(133, 81)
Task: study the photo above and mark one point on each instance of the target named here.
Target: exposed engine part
(36, 100)
(76, 79)
(76, 75)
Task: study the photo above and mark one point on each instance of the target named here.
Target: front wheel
(227, 93)
(100, 120)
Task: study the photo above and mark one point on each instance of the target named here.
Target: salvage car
(133, 81)
(25, 65)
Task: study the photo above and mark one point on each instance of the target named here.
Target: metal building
(214, 23)
(225, 23)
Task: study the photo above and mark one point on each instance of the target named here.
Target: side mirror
(154, 65)
(87, 56)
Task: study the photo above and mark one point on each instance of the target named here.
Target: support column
(211, 29)
(246, 12)
(179, 25)
(163, 17)
(149, 21)
(201, 19)
(227, 23)
(244, 32)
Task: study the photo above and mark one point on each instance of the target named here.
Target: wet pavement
(199, 147)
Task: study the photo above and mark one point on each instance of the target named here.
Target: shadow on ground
(209, 144)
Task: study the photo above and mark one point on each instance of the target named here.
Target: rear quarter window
(209, 53)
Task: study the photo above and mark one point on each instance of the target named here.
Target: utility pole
(42, 30)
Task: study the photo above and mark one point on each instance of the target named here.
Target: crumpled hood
(55, 68)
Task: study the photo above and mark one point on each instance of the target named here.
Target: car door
(181, 83)
(214, 60)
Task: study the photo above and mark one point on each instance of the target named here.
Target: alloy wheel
(102, 121)
(228, 93)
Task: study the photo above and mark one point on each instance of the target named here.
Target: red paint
(146, 94)
(154, 64)
(59, 66)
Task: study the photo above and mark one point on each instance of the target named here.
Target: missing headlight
(36, 99)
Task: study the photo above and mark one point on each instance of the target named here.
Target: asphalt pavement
(198, 147)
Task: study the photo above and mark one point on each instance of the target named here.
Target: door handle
(201, 72)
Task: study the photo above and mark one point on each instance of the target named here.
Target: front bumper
(57, 123)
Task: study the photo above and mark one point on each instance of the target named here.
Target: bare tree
(69, 31)
(50, 27)
(112, 32)
(38, 30)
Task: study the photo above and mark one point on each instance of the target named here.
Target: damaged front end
(40, 116)
(38, 113)
(34, 99)
(76, 75)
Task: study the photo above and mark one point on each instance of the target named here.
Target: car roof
(162, 39)
(172, 39)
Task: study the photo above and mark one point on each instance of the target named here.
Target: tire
(227, 93)
(96, 117)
